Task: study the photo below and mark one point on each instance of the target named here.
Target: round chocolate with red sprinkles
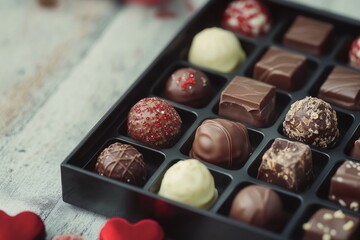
(155, 122)
(190, 87)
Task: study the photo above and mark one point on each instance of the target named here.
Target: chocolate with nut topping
(345, 185)
(328, 224)
(248, 101)
(342, 87)
(287, 164)
(312, 121)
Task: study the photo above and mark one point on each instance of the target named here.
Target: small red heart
(24, 226)
(121, 229)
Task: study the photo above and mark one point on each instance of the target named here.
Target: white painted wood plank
(38, 48)
(31, 158)
(349, 8)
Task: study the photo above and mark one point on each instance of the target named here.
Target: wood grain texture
(32, 153)
(61, 69)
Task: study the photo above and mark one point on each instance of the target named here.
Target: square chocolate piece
(330, 224)
(345, 185)
(342, 87)
(309, 35)
(281, 68)
(355, 151)
(248, 101)
(287, 164)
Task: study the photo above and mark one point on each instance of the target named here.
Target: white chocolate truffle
(190, 182)
(217, 49)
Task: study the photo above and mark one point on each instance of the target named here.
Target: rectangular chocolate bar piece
(345, 185)
(309, 35)
(355, 151)
(287, 164)
(281, 68)
(330, 224)
(342, 87)
(248, 101)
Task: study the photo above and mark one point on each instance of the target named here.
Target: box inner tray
(84, 188)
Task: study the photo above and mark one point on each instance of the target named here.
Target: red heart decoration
(24, 226)
(121, 229)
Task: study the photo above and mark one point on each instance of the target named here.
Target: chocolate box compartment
(290, 203)
(84, 188)
(298, 233)
(319, 161)
(216, 79)
(255, 138)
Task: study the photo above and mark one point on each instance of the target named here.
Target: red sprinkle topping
(189, 80)
(154, 121)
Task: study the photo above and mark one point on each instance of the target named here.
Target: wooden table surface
(61, 69)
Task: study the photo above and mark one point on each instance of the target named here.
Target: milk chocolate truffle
(190, 182)
(330, 224)
(287, 164)
(248, 101)
(189, 86)
(155, 122)
(221, 142)
(345, 185)
(248, 17)
(342, 87)
(312, 121)
(355, 151)
(309, 35)
(122, 162)
(354, 53)
(216, 49)
(258, 206)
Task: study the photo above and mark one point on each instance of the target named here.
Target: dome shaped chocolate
(221, 142)
(190, 87)
(154, 122)
(122, 162)
(258, 206)
(312, 121)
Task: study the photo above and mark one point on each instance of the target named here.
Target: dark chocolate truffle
(190, 87)
(287, 164)
(248, 17)
(258, 206)
(355, 151)
(345, 185)
(155, 122)
(312, 121)
(122, 162)
(327, 224)
(248, 101)
(342, 87)
(221, 142)
(309, 35)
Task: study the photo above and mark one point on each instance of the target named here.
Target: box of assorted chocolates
(247, 126)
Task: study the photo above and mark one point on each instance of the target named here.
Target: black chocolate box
(84, 188)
